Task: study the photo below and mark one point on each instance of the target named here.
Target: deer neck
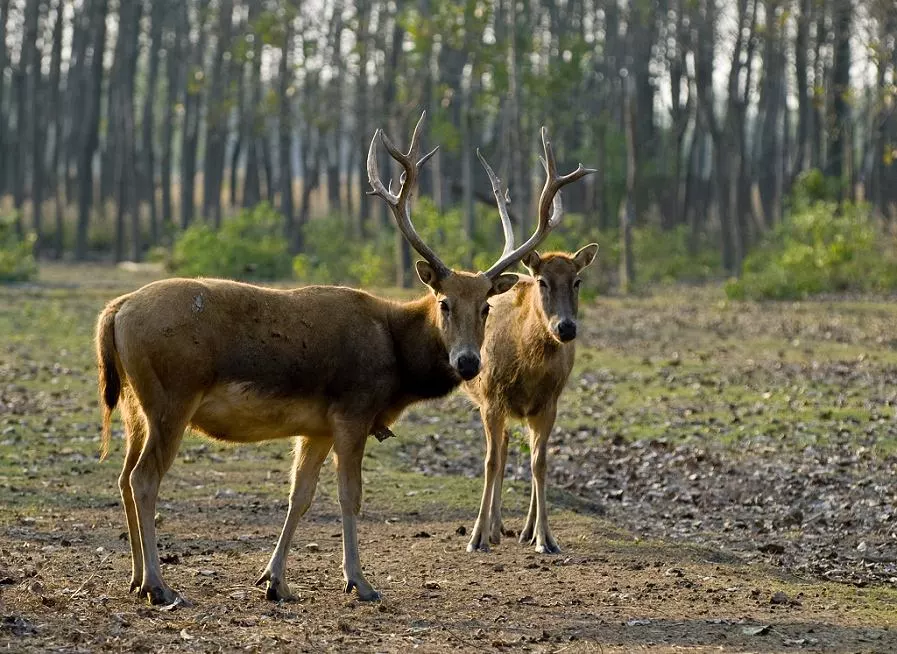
(534, 336)
(420, 352)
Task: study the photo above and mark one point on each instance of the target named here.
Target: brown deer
(527, 357)
(328, 365)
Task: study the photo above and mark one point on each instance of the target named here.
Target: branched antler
(399, 202)
(551, 209)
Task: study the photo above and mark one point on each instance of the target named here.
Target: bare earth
(695, 512)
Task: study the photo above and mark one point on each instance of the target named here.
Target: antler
(398, 203)
(502, 200)
(550, 208)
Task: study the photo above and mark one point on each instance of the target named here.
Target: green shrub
(819, 250)
(661, 256)
(17, 262)
(331, 256)
(249, 246)
(812, 186)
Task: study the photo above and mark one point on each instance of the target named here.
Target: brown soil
(64, 588)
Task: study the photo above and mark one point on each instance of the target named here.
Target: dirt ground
(722, 479)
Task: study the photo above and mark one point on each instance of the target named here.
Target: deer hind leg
(493, 426)
(307, 459)
(498, 528)
(165, 430)
(536, 530)
(135, 436)
(348, 448)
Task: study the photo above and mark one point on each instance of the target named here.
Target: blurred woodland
(125, 122)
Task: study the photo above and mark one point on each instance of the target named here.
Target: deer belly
(234, 412)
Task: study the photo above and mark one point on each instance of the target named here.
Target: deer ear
(503, 284)
(532, 260)
(585, 256)
(427, 275)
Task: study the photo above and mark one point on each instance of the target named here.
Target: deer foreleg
(536, 530)
(307, 459)
(348, 446)
(493, 426)
(497, 527)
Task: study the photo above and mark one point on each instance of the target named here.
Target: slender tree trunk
(819, 83)
(285, 133)
(76, 86)
(57, 109)
(192, 111)
(174, 69)
(252, 193)
(217, 114)
(267, 166)
(148, 126)
(838, 144)
(123, 75)
(467, 163)
(4, 121)
(34, 85)
(90, 133)
(801, 66)
(237, 150)
(362, 135)
(627, 206)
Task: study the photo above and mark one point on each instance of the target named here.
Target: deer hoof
(276, 589)
(548, 546)
(366, 592)
(161, 595)
(478, 543)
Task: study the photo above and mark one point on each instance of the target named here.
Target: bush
(818, 250)
(249, 246)
(17, 262)
(661, 256)
(331, 256)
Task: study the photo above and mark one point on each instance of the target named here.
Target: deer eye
(484, 311)
(444, 307)
(576, 284)
(543, 284)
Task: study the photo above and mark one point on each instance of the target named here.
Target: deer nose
(467, 365)
(566, 330)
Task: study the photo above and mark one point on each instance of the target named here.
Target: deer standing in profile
(327, 365)
(527, 357)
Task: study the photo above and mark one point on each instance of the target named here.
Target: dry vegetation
(721, 477)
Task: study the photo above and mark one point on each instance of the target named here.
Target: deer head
(460, 297)
(557, 273)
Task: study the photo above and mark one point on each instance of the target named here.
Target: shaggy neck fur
(535, 339)
(420, 350)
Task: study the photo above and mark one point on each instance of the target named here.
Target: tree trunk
(57, 109)
(801, 66)
(627, 206)
(285, 133)
(838, 144)
(34, 91)
(467, 163)
(148, 126)
(4, 121)
(90, 128)
(217, 114)
(193, 83)
(240, 138)
(362, 136)
(122, 80)
(174, 69)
